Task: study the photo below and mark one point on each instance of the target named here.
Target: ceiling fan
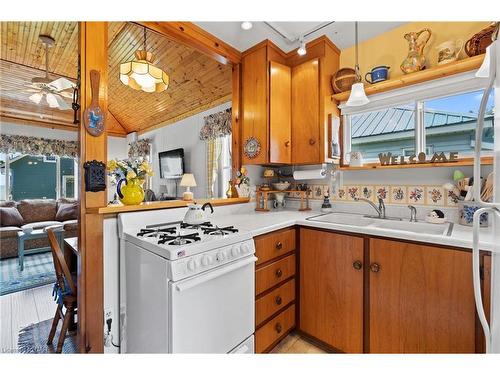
(55, 91)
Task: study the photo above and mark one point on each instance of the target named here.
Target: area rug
(33, 339)
(38, 270)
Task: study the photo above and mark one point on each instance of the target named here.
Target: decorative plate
(251, 148)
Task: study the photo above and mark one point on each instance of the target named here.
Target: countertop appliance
(491, 329)
(185, 288)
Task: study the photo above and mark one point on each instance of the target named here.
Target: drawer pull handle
(357, 265)
(375, 267)
(279, 273)
(278, 327)
(287, 144)
(279, 245)
(312, 141)
(278, 300)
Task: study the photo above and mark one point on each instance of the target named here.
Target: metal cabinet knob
(375, 267)
(287, 144)
(278, 300)
(357, 265)
(312, 141)
(278, 327)
(279, 273)
(279, 245)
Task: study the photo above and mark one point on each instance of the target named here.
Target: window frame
(440, 88)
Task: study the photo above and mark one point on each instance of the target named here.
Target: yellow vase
(130, 191)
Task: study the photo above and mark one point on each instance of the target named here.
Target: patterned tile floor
(294, 344)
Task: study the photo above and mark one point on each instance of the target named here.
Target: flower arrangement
(129, 169)
(242, 177)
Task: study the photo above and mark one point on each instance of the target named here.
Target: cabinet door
(280, 113)
(305, 113)
(254, 103)
(421, 299)
(331, 289)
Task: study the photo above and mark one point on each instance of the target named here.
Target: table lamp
(188, 181)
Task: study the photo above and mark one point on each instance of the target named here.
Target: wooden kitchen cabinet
(306, 126)
(286, 101)
(421, 299)
(331, 289)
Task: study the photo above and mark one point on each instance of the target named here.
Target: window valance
(37, 146)
(216, 125)
(140, 148)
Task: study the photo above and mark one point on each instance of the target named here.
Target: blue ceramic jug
(378, 74)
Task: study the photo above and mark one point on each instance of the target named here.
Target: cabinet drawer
(272, 245)
(272, 302)
(274, 329)
(274, 273)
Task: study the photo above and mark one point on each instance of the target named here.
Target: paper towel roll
(312, 174)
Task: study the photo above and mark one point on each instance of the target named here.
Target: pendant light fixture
(358, 95)
(142, 74)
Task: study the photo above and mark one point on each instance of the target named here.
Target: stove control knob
(245, 248)
(206, 260)
(220, 256)
(235, 251)
(191, 264)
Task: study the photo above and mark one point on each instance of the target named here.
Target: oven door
(213, 312)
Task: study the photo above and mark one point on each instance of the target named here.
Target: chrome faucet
(380, 209)
(413, 213)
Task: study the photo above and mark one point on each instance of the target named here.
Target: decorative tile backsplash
(430, 195)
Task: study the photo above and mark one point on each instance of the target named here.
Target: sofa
(36, 214)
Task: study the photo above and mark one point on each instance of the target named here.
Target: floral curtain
(140, 148)
(214, 148)
(37, 146)
(216, 125)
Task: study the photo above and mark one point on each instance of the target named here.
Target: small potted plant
(129, 176)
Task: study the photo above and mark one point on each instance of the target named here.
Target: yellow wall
(391, 48)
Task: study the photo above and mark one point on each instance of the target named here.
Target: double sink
(444, 229)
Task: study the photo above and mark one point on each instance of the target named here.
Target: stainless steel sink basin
(402, 226)
(343, 218)
(418, 227)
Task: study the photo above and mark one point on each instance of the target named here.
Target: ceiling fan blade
(61, 103)
(61, 84)
(66, 94)
(51, 100)
(36, 98)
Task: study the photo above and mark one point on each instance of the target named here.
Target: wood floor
(294, 344)
(18, 310)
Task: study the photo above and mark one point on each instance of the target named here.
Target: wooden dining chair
(65, 292)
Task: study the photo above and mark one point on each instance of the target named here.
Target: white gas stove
(185, 288)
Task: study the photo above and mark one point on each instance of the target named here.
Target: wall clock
(251, 148)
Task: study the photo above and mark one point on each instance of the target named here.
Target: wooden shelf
(440, 71)
(460, 163)
(157, 205)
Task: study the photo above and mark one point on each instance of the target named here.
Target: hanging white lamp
(301, 51)
(358, 96)
(142, 74)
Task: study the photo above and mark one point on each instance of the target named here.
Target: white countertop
(263, 222)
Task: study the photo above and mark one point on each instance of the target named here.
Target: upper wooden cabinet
(286, 100)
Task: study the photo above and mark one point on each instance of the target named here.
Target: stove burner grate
(219, 231)
(196, 226)
(179, 240)
(155, 232)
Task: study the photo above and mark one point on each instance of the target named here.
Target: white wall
(36, 131)
(182, 134)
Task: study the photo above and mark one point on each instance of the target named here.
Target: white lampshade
(188, 180)
(358, 96)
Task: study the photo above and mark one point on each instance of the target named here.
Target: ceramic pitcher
(449, 51)
(415, 60)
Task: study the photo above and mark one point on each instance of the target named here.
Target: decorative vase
(415, 61)
(229, 191)
(243, 190)
(131, 192)
(466, 210)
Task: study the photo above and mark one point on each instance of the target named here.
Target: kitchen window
(433, 123)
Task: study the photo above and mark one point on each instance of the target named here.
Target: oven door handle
(213, 275)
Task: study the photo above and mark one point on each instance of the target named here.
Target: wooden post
(235, 121)
(93, 56)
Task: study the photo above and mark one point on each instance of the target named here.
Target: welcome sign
(421, 158)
